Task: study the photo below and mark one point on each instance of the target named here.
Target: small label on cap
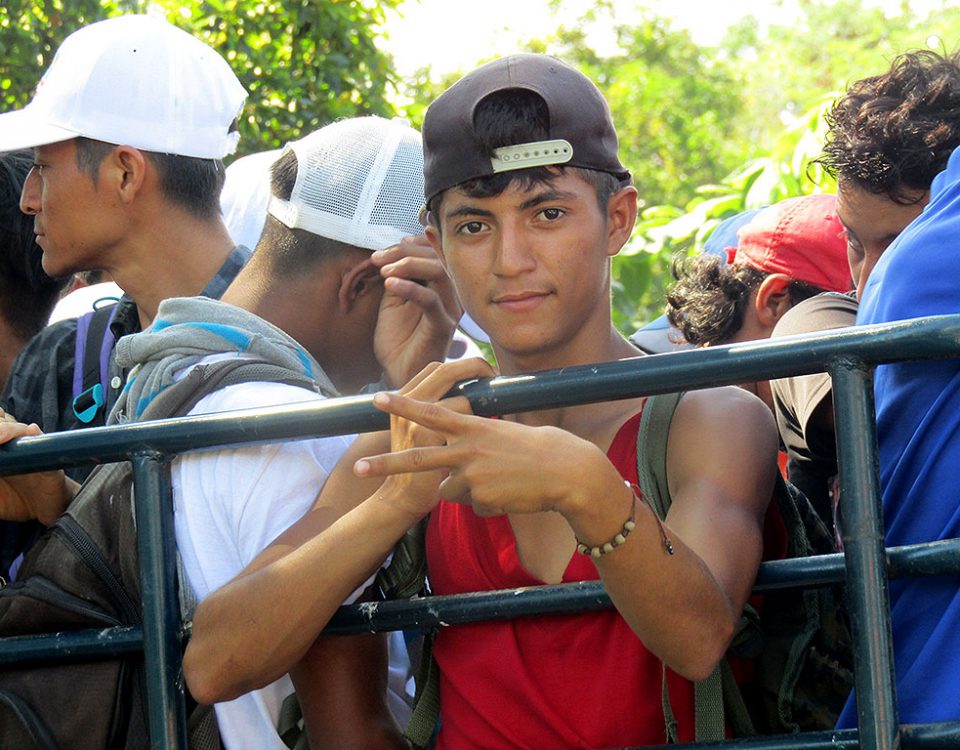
(537, 154)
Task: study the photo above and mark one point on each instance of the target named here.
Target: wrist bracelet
(629, 525)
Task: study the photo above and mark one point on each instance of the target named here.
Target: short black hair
(188, 182)
(891, 134)
(291, 251)
(710, 299)
(27, 294)
(512, 116)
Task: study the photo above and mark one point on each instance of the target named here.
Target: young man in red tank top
(528, 202)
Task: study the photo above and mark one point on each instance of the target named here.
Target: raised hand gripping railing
(848, 354)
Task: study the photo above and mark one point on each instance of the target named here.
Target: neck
(175, 257)
(602, 349)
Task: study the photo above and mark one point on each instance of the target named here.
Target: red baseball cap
(800, 237)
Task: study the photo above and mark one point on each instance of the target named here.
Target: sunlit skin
(871, 222)
(74, 218)
(532, 265)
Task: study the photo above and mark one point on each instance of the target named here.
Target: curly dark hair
(893, 133)
(708, 302)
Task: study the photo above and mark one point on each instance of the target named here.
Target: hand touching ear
(419, 310)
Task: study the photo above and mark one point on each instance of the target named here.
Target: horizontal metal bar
(79, 645)
(912, 737)
(937, 336)
(932, 558)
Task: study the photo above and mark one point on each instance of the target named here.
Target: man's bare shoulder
(723, 422)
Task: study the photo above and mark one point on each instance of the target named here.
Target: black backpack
(800, 644)
(83, 573)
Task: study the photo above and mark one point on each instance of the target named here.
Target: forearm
(671, 600)
(283, 606)
(341, 684)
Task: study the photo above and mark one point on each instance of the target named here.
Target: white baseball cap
(359, 181)
(132, 80)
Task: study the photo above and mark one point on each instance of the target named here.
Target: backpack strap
(652, 449)
(406, 574)
(91, 359)
(652, 435)
(426, 703)
(202, 380)
(178, 400)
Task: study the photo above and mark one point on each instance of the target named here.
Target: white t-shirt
(228, 506)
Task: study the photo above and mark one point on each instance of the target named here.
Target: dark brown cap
(581, 131)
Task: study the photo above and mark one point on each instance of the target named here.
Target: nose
(514, 254)
(30, 195)
(866, 268)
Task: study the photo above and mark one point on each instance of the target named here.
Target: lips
(517, 302)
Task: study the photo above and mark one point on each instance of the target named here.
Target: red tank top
(558, 681)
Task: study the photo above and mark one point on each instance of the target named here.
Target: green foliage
(304, 63)
(642, 269)
(788, 67)
(671, 101)
(784, 73)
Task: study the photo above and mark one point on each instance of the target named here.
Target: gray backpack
(83, 573)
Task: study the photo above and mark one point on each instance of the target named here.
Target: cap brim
(23, 129)
(656, 338)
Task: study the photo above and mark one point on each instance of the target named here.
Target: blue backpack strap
(95, 342)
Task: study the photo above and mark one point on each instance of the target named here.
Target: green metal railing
(847, 354)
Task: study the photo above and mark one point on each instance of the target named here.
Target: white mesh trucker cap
(359, 181)
(136, 81)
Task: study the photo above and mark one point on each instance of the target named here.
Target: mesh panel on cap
(359, 181)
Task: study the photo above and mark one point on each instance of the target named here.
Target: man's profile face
(69, 210)
(531, 265)
(871, 221)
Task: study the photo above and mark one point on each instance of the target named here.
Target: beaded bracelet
(629, 525)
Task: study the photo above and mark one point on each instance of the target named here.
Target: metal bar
(80, 645)
(867, 588)
(932, 558)
(945, 736)
(156, 547)
(698, 368)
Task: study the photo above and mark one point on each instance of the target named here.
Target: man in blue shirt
(918, 427)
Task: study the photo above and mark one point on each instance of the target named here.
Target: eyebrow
(467, 210)
(547, 196)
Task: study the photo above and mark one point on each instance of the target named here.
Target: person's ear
(773, 299)
(436, 242)
(125, 168)
(356, 281)
(621, 216)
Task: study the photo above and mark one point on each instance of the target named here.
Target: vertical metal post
(156, 546)
(867, 586)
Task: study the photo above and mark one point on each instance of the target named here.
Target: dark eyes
(552, 214)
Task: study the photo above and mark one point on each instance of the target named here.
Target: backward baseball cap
(581, 132)
(133, 80)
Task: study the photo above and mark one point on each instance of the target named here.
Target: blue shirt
(918, 429)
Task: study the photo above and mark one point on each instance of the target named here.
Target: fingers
(424, 297)
(437, 383)
(414, 259)
(433, 416)
(415, 245)
(410, 461)
(418, 269)
(11, 430)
